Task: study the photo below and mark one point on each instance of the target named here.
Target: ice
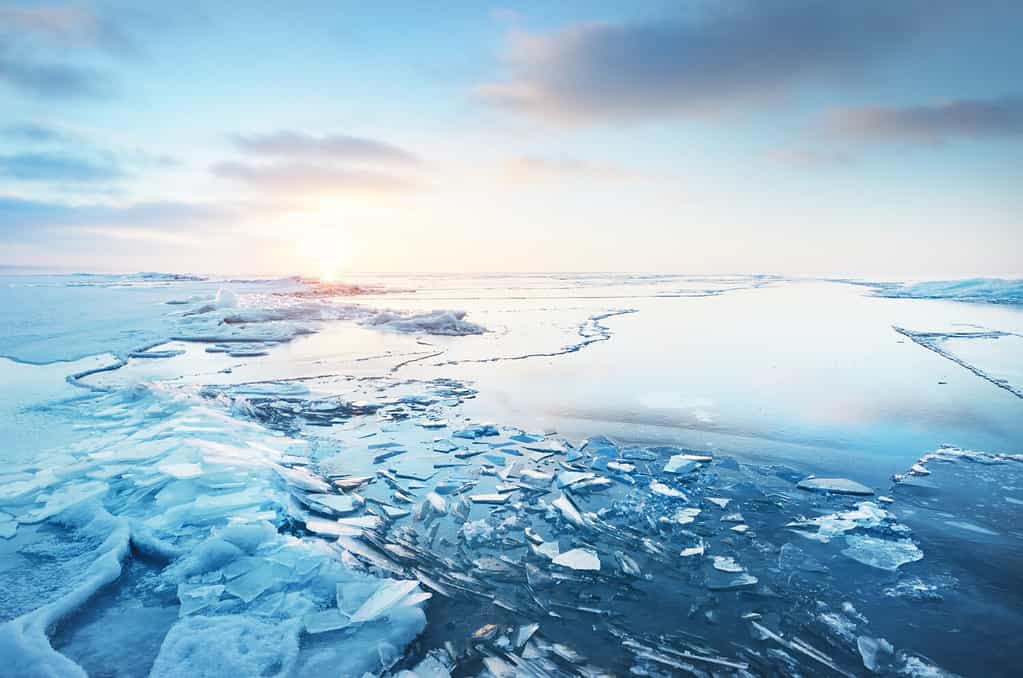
(680, 464)
(253, 583)
(489, 498)
(452, 323)
(436, 664)
(568, 510)
(338, 504)
(578, 559)
(883, 554)
(196, 597)
(225, 299)
(325, 621)
(390, 594)
(986, 290)
(727, 564)
(834, 486)
(210, 647)
(872, 651)
(657, 487)
(231, 505)
(685, 515)
(866, 515)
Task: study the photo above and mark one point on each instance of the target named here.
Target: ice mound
(206, 497)
(983, 290)
(225, 299)
(451, 323)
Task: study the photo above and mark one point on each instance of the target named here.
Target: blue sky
(872, 139)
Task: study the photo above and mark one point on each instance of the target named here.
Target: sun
(327, 277)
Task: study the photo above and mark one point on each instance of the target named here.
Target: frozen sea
(510, 475)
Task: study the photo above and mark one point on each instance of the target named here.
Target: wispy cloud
(69, 26)
(34, 132)
(53, 80)
(330, 146)
(305, 178)
(931, 123)
(722, 55)
(28, 217)
(42, 49)
(57, 167)
(811, 158)
(123, 234)
(540, 167)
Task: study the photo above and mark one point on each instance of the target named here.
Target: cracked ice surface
(357, 516)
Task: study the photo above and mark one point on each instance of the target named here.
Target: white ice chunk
(883, 554)
(835, 486)
(579, 559)
(660, 488)
(325, 620)
(681, 464)
(390, 594)
(727, 564)
(232, 645)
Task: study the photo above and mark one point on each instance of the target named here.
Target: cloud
(332, 146)
(57, 167)
(538, 168)
(303, 178)
(963, 118)
(54, 80)
(34, 132)
(31, 36)
(69, 26)
(23, 221)
(722, 55)
(803, 158)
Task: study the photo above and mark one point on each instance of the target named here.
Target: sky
(872, 139)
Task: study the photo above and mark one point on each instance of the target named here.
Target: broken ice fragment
(627, 565)
(660, 488)
(568, 478)
(352, 482)
(727, 564)
(185, 471)
(720, 502)
(579, 559)
(325, 620)
(197, 597)
(684, 516)
(390, 595)
(547, 549)
(881, 553)
(697, 550)
(569, 511)
(870, 648)
(536, 478)
(680, 464)
(834, 486)
(339, 504)
(473, 432)
(621, 466)
(444, 446)
(489, 498)
(731, 582)
(867, 514)
(741, 529)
